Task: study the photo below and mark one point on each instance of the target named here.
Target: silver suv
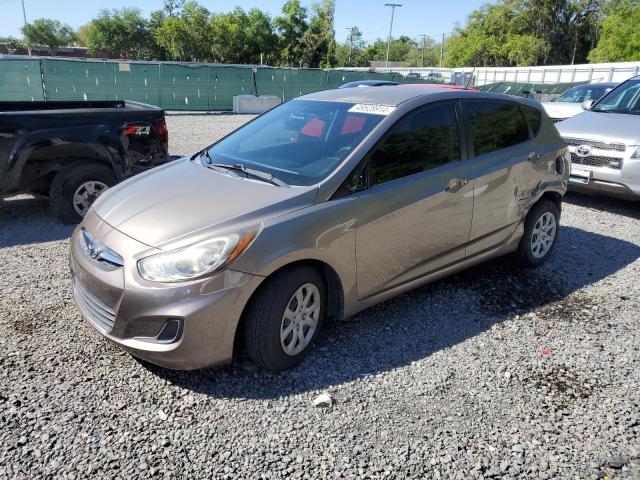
(319, 208)
(604, 142)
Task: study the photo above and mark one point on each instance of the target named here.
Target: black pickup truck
(73, 151)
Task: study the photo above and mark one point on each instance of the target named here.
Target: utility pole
(24, 17)
(442, 51)
(393, 9)
(424, 39)
(350, 43)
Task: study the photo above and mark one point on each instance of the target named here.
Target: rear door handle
(455, 184)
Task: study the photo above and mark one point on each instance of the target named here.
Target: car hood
(181, 198)
(562, 109)
(601, 126)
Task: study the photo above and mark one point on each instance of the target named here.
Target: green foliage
(291, 26)
(120, 32)
(350, 53)
(399, 48)
(187, 36)
(48, 33)
(619, 34)
(525, 32)
(318, 41)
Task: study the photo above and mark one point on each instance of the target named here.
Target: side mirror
(587, 104)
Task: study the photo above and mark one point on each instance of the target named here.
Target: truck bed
(93, 106)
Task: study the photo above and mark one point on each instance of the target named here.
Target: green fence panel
(20, 80)
(270, 81)
(184, 87)
(307, 80)
(78, 80)
(335, 78)
(137, 81)
(227, 82)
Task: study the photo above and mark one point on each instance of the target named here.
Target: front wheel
(540, 234)
(284, 318)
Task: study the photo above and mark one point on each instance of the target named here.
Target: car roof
(397, 94)
(373, 83)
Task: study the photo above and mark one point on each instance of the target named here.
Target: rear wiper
(265, 177)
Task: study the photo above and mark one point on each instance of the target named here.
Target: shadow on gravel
(25, 220)
(617, 206)
(414, 325)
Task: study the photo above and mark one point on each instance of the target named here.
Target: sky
(414, 18)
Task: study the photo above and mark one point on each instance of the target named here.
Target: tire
(265, 320)
(527, 254)
(69, 180)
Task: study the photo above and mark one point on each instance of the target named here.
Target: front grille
(94, 308)
(576, 142)
(597, 161)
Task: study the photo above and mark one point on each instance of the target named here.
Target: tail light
(163, 131)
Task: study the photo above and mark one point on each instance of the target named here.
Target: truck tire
(75, 188)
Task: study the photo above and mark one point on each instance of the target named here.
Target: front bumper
(180, 326)
(620, 182)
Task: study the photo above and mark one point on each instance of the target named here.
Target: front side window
(624, 99)
(422, 141)
(300, 142)
(496, 125)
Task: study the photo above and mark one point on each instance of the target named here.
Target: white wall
(595, 72)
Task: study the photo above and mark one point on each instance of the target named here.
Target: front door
(415, 217)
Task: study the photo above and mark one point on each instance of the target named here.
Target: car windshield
(583, 92)
(299, 142)
(624, 99)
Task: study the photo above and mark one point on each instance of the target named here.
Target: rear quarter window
(534, 118)
(495, 125)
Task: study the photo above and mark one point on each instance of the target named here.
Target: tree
(240, 37)
(187, 37)
(82, 35)
(121, 32)
(525, 32)
(319, 39)
(431, 49)
(14, 46)
(399, 48)
(291, 27)
(350, 53)
(48, 33)
(619, 34)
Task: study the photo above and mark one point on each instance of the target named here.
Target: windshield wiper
(250, 172)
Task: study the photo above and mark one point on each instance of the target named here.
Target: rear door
(499, 143)
(415, 216)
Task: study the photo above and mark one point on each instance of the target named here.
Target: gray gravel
(496, 372)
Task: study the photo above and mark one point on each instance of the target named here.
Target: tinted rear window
(534, 118)
(496, 125)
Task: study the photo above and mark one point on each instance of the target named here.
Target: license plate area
(579, 175)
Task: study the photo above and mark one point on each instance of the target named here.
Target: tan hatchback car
(319, 208)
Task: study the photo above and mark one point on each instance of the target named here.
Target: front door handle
(455, 184)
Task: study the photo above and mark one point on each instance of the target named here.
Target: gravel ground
(495, 372)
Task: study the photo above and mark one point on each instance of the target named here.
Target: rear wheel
(284, 318)
(75, 188)
(540, 234)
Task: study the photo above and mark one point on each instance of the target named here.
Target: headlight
(197, 260)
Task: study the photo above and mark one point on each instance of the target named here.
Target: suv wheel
(540, 234)
(76, 187)
(284, 318)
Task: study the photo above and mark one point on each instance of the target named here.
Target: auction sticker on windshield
(372, 108)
